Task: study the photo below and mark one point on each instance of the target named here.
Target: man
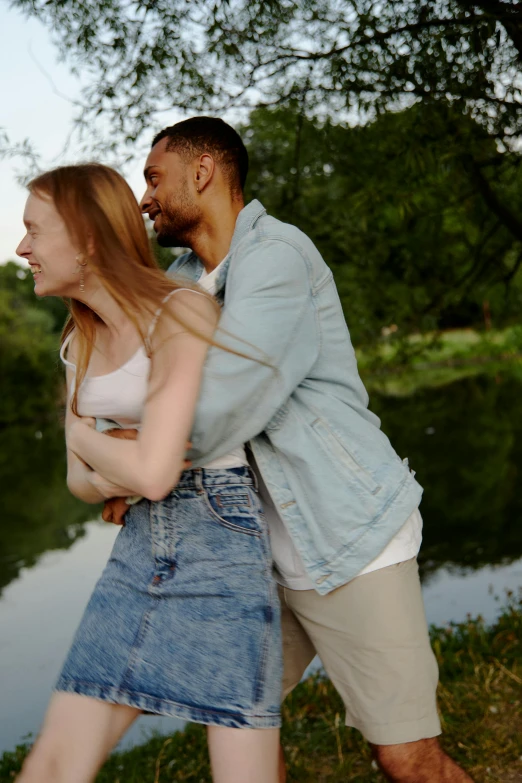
(342, 506)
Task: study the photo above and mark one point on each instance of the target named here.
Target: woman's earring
(81, 263)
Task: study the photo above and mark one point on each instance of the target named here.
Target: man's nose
(145, 202)
(24, 249)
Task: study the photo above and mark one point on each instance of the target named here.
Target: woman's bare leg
(238, 755)
(77, 736)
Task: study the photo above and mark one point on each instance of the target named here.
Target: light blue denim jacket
(339, 486)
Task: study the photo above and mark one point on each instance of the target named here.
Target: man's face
(169, 199)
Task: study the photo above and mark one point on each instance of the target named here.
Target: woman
(184, 620)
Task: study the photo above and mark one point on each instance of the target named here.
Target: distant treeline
(419, 215)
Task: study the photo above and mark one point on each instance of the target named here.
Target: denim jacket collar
(245, 222)
(192, 267)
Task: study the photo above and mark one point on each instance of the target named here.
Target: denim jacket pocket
(343, 456)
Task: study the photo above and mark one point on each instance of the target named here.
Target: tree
(394, 209)
(360, 55)
(18, 282)
(32, 379)
(336, 59)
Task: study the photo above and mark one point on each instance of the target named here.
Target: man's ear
(204, 171)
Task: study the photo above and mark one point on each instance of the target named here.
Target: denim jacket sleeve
(269, 314)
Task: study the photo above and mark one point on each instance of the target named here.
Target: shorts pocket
(236, 508)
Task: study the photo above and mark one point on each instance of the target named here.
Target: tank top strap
(63, 348)
(155, 318)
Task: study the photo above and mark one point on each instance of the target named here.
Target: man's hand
(115, 508)
(122, 434)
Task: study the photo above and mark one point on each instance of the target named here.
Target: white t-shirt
(289, 569)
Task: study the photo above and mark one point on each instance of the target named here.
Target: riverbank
(400, 366)
(480, 698)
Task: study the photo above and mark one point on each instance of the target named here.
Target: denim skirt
(185, 618)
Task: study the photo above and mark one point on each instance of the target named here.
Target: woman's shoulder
(186, 309)
(69, 349)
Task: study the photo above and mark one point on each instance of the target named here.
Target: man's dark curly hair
(193, 137)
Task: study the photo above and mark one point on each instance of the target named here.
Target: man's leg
(422, 761)
(372, 637)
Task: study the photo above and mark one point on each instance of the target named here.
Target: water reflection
(39, 613)
(38, 512)
(464, 440)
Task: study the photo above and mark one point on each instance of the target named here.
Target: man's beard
(180, 220)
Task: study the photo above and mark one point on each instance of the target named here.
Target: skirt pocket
(236, 508)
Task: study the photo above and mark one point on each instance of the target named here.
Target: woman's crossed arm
(152, 464)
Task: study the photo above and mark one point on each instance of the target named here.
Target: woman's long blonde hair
(100, 211)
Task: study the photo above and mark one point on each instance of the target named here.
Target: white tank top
(120, 395)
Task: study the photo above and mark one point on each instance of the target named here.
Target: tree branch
(492, 201)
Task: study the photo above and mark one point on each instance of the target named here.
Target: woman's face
(49, 251)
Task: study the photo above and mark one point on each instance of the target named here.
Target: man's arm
(270, 315)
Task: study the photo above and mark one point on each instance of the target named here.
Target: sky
(31, 108)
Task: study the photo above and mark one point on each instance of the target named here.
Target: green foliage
(31, 379)
(419, 212)
(402, 365)
(164, 256)
(19, 284)
(350, 54)
(397, 213)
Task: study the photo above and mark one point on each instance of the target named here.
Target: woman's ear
(90, 246)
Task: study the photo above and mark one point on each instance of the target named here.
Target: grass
(400, 366)
(480, 700)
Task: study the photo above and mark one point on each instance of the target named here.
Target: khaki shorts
(372, 638)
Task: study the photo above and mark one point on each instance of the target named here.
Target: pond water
(464, 439)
